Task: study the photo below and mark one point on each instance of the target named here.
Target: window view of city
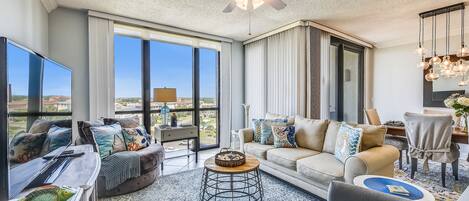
(171, 65)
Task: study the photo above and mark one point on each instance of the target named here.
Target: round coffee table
(232, 182)
(378, 183)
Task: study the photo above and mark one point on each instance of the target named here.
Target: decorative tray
(227, 158)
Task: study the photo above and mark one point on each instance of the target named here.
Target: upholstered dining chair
(396, 141)
(429, 137)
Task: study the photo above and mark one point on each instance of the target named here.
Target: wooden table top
(458, 135)
(251, 164)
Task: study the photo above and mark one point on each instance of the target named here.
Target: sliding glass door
(142, 65)
(347, 81)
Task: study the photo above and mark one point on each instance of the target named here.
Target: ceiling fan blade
(230, 7)
(277, 4)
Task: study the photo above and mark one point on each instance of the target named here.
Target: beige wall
(25, 22)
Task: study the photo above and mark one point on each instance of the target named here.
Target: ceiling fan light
(243, 4)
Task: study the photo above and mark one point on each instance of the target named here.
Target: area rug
(185, 186)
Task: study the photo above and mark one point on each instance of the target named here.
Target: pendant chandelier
(436, 66)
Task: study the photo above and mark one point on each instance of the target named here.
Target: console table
(171, 134)
(81, 173)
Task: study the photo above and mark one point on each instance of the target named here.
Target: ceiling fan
(250, 5)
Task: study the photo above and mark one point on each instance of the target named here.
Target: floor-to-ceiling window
(144, 64)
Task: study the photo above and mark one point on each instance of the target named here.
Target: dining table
(459, 136)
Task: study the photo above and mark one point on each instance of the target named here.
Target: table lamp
(164, 95)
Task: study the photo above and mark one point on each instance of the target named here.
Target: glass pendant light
(421, 51)
(435, 60)
(464, 51)
(432, 76)
(460, 66)
(423, 64)
(462, 82)
(446, 59)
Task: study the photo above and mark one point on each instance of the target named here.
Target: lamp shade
(164, 95)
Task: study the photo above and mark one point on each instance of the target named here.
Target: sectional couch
(312, 166)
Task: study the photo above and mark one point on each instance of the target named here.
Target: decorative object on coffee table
(227, 158)
(381, 183)
(242, 181)
(164, 95)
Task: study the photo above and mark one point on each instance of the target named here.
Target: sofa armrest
(245, 135)
(377, 161)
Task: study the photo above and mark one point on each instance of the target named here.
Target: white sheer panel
(101, 67)
(325, 45)
(286, 72)
(225, 94)
(255, 77)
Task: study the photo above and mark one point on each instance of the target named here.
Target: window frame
(147, 112)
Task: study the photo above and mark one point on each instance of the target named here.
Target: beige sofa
(312, 166)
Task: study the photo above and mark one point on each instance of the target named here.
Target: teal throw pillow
(26, 146)
(266, 129)
(284, 136)
(57, 137)
(109, 139)
(348, 142)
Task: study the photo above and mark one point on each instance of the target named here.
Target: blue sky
(56, 81)
(170, 66)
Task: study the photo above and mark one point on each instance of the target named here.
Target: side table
(231, 182)
(171, 134)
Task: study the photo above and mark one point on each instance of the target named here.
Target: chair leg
(407, 155)
(413, 167)
(443, 173)
(400, 159)
(455, 167)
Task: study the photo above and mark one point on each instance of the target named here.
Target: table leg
(162, 162)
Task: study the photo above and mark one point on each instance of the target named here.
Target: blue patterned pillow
(256, 126)
(266, 129)
(348, 142)
(57, 137)
(284, 136)
(109, 139)
(136, 138)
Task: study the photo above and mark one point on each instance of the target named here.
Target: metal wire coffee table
(231, 183)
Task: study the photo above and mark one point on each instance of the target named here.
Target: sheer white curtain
(286, 72)
(225, 94)
(101, 67)
(325, 81)
(255, 77)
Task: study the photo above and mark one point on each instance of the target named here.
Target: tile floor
(181, 164)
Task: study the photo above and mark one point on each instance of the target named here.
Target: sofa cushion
(287, 157)
(310, 133)
(256, 149)
(322, 168)
(331, 135)
(129, 122)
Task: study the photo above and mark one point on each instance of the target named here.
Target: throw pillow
(266, 129)
(129, 122)
(109, 139)
(256, 126)
(86, 136)
(347, 142)
(43, 126)
(26, 146)
(373, 136)
(290, 119)
(310, 133)
(136, 138)
(284, 136)
(57, 137)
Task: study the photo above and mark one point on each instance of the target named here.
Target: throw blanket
(119, 167)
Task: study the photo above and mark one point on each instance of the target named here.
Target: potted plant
(460, 104)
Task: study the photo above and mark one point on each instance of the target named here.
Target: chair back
(373, 117)
(428, 132)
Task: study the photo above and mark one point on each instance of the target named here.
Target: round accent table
(231, 182)
(379, 183)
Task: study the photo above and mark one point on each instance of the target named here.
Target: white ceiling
(382, 22)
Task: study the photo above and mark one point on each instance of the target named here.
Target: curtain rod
(156, 26)
(315, 25)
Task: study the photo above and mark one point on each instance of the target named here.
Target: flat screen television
(32, 87)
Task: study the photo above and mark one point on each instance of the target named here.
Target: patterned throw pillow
(26, 146)
(57, 137)
(256, 126)
(109, 139)
(266, 129)
(284, 136)
(136, 138)
(348, 141)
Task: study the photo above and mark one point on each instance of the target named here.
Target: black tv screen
(33, 89)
